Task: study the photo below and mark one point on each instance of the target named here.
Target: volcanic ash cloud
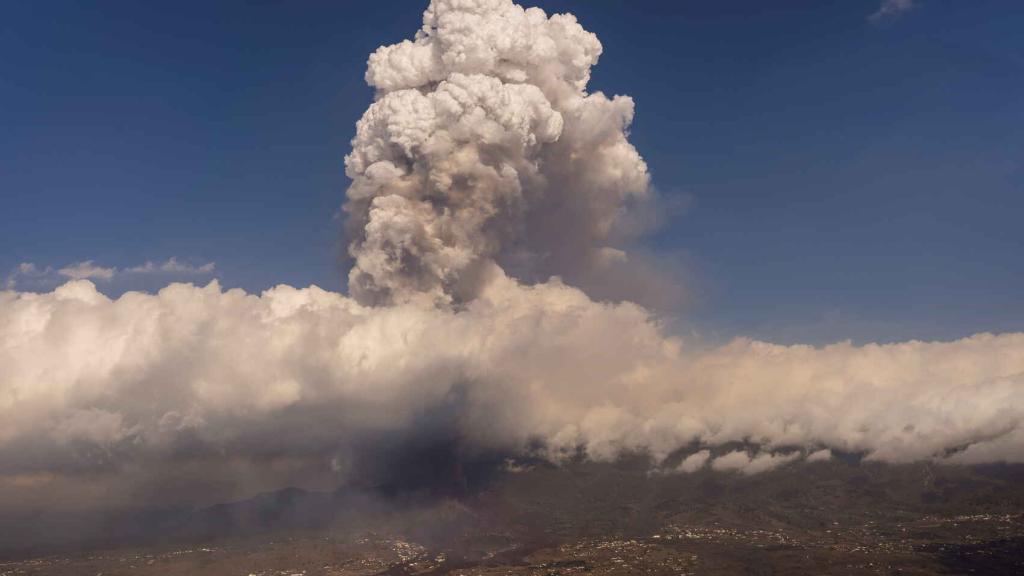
(482, 168)
(483, 146)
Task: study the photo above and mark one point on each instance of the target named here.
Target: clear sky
(844, 176)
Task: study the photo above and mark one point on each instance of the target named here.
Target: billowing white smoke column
(481, 155)
(484, 145)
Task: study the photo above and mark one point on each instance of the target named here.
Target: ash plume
(482, 168)
(482, 147)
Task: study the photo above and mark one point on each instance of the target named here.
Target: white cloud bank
(94, 382)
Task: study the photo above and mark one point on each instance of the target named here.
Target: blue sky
(845, 177)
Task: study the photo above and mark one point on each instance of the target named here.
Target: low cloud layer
(741, 461)
(94, 387)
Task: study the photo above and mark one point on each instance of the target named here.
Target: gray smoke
(482, 147)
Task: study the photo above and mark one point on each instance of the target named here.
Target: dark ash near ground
(839, 517)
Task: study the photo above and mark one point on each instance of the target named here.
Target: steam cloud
(482, 167)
